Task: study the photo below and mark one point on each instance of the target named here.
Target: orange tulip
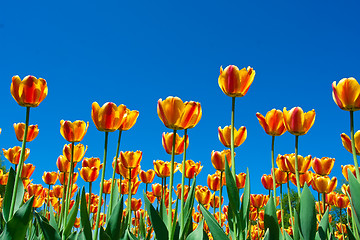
(79, 152)
(297, 122)
(32, 133)
(257, 200)
(38, 200)
(202, 195)
(34, 189)
(344, 170)
(64, 177)
(148, 176)
(92, 162)
(346, 94)
(151, 197)
(323, 184)
(234, 82)
(13, 154)
(167, 142)
(304, 163)
(135, 204)
(273, 122)
(281, 162)
(341, 200)
(107, 186)
(176, 114)
(135, 183)
(77, 223)
(63, 164)
(109, 117)
(27, 171)
(306, 177)
(213, 182)
(89, 174)
(267, 182)
(322, 166)
(191, 168)
(240, 180)
(73, 132)
(25, 182)
(178, 191)
(50, 178)
(225, 136)
(29, 92)
(58, 191)
(125, 171)
(156, 189)
(129, 119)
(280, 176)
(162, 169)
(130, 159)
(4, 179)
(347, 142)
(215, 201)
(218, 159)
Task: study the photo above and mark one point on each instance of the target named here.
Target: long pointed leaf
(189, 204)
(216, 231)
(48, 231)
(307, 214)
(198, 233)
(72, 217)
(271, 220)
(114, 224)
(84, 218)
(323, 226)
(8, 195)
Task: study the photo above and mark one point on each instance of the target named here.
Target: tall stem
(171, 184)
(89, 203)
(182, 184)
(129, 198)
(220, 195)
(273, 166)
(289, 201)
(232, 138)
(21, 164)
(296, 166)
(282, 213)
(48, 200)
(353, 149)
(63, 200)
(101, 189)
(113, 176)
(70, 182)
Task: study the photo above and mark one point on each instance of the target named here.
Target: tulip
(107, 186)
(63, 164)
(322, 166)
(234, 82)
(156, 189)
(257, 200)
(215, 202)
(89, 174)
(347, 142)
(162, 169)
(151, 197)
(297, 122)
(178, 191)
(129, 119)
(272, 123)
(280, 176)
(34, 189)
(130, 159)
(73, 132)
(64, 177)
(191, 168)
(13, 154)
(79, 152)
(225, 136)
(341, 200)
(281, 162)
(32, 132)
(346, 94)
(148, 176)
(58, 191)
(167, 142)
(344, 170)
(4, 179)
(323, 184)
(92, 162)
(109, 117)
(50, 178)
(303, 163)
(267, 182)
(29, 92)
(306, 177)
(213, 182)
(129, 173)
(218, 159)
(27, 171)
(202, 195)
(240, 180)
(135, 204)
(176, 114)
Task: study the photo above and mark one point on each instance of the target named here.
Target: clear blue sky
(133, 53)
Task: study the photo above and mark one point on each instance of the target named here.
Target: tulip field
(59, 208)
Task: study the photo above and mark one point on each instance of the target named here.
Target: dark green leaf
(189, 204)
(9, 192)
(198, 233)
(48, 231)
(84, 218)
(296, 230)
(114, 224)
(245, 208)
(232, 189)
(72, 217)
(350, 234)
(215, 229)
(73, 236)
(307, 214)
(355, 197)
(104, 235)
(323, 226)
(271, 220)
(131, 236)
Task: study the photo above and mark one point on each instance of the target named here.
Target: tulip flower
(135, 204)
(240, 180)
(267, 182)
(130, 159)
(92, 162)
(73, 132)
(225, 136)
(157, 190)
(322, 166)
(129, 173)
(281, 162)
(32, 132)
(344, 170)
(297, 122)
(167, 142)
(29, 92)
(148, 176)
(109, 117)
(306, 177)
(107, 186)
(346, 94)
(272, 123)
(58, 191)
(323, 184)
(218, 159)
(4, 179)
(79, 152)
(89, 174)
(257, 200)
(303, 163)
(202, 195)
(34, 189)
(63, 164)
(129, 119)
(213, 182)
(162, 169)
(27, 171)
(64, 177)
(13, 154)
(178, 191)
(50, 178)
(191, 168)
(341, 201)
(347, 142)
(215, 201)
(176, 114)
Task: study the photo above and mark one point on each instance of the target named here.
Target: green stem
(353, 149)
(129, 198)
(323, 202)
(214, 203)
(220, 195)
(296, 166)
(89, 203)
(273, 166)
(21, 164)
(104, 202)
(63, 198)
(70, 182)
(101, 189)
(171, 184)
(48, 201)
(232, 138)
(289, 201)
(113, 176)
(182, 223)
(282, 213)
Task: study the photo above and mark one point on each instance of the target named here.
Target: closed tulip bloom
(89, 174)
(135, 183)
(73, 132)
(107, 186)
(240, 180)
(191, 168)
(346, 94)
(304, 163)
(4, 179)
(281, 162)
(125, 171)
(202, 195)
(27, 171)
(129, 119)
(13, 154)
(109, 117)
(218, 159)
(58, 191)
(344, 170)
(135, 204)
(341, 201)
(267, 182)
(156, 189)
(347, 142)
(322, 166)
(32, 133)
(297, 122)
(330, 198)
(130, 159)
(178, 191)
(151, 197)
(34, 189)
(225, 136)
(167, 142)
(215, 201)
(63, 164)
(280, 176)
(323, 184)
(50, 178)
(64, 177)
(79, 152)
(306, 177)
(162, 169)
(29, 92)
(148, 176)
(92, 162)
(213, 182)
(234, 82)
(257, 200)
(176, 114)
(273, 122)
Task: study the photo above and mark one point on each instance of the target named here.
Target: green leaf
(160, 228)
(189, 204)
(267, 235)
(131, 236)
(307, 214)
(323, 226)
(16, 227)
(73, 236)
(198, 233)
(113, 202)
(232, 189)
(104, 235)
(163, 213)
(245, 208)
(215, 229)
(142, 227)
(48, 231)
(9, 192)
(350, 234)
(114, 224)
(271, 220)
(287, 236)
(175, 224)
(84, 218)
(355, 197)
(296, 230)
(72, 217)
(52, 221)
